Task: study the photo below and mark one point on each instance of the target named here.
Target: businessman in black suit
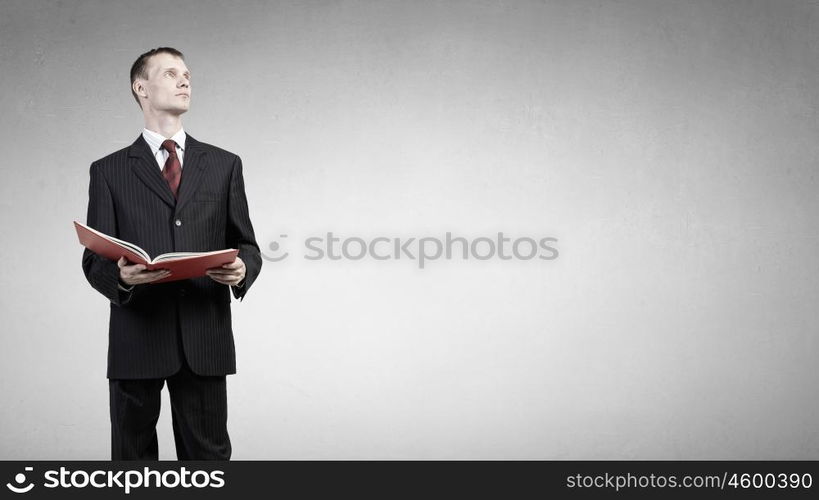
(168, 192)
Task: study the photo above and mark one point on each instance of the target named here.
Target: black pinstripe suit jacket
(151, 326)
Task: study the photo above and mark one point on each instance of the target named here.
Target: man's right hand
(135, 274)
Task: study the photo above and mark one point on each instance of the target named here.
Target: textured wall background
(671, 147)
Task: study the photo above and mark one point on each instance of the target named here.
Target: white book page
(181, 255)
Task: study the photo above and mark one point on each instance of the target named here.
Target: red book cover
(183, 265)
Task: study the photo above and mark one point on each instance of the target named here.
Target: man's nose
(184, 82)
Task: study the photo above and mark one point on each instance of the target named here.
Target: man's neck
(166, 125)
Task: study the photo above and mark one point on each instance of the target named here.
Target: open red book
(183, 265)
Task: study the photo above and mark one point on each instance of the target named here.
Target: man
(168, 192)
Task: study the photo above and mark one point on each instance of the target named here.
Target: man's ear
(139, 89)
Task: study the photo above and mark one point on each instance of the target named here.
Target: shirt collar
(155, 139)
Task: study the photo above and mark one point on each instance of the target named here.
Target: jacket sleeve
(240, 233)
(101, 273)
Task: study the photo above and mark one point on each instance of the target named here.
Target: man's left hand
(229, 274)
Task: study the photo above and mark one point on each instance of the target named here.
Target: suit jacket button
(177, 222)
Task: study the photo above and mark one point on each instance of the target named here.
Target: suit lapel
(146, 169)
(193, 168)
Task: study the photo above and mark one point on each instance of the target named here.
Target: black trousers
(198, 410)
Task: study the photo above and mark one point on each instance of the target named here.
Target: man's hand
(135, 274)
(229, 274)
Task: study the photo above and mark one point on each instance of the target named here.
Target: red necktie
(172, 172)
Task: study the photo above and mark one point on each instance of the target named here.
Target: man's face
(168, 86)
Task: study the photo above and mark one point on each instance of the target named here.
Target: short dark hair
(140, 67)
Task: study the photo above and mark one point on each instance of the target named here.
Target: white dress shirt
(155, 141)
